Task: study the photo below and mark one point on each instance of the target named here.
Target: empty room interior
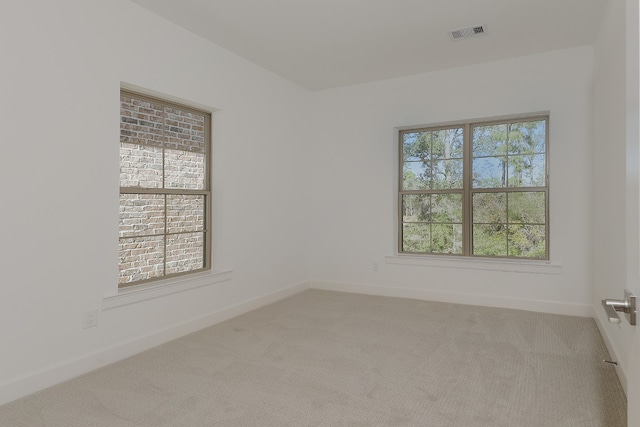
(402, 213)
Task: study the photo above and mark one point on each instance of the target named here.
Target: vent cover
(467, 33)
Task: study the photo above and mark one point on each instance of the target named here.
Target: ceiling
(321, 44)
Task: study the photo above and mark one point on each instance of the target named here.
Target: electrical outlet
(90, 319)
(375, 266)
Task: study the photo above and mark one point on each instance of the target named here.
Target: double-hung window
(475, 189)
(165, 218)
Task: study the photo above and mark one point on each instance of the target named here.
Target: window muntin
(164, 189)
(475, 189)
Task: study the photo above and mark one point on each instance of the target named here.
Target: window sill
(510, 266)
(146, 292)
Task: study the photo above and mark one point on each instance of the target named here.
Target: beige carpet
(335, 359)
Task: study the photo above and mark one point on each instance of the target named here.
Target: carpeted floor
(336, 359)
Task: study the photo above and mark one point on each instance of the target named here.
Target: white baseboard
(541, 306)
(36, 381)
(620, 369)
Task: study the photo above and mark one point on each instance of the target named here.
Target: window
(475, 189)
(164, 189)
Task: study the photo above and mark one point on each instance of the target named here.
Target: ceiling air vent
(467, 33)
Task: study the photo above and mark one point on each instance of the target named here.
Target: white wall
(354, 180)
(61, 68)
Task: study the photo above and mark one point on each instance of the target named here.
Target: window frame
(467, 189)
(205, 191)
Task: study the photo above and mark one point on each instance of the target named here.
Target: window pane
(489, 140)
(141, 139)
(185, 213)
(184, 169)
(140, 166)
(184, 130)
(417, 145)
(447, 174)
(141, 215)
(415, 208)
(490, 240)
(527, 241)
(446, 143)
(416, 176)
(446, 208)
(416, 237)
(527, 170)
(489, 208)
(489, 172)
(409, 148)
(437, 144)
(185, 149)
(185, 252)
(140, 121)
(141, 258)
(446, 238)
(527, 137)
(527, 207)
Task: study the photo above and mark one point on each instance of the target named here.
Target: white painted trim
(30, 383)
(542, 306)
(149, 92)
(476, 120)
(510, 266)
(620, 370)
(136, 294)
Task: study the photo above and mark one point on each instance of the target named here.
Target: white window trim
(468, 263)
(161, 288)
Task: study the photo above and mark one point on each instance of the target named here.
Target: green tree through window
(475, 189)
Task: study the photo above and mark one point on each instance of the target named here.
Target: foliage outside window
(164, 189)
(475, 189)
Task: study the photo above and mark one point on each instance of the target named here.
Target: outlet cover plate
(90, 319)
